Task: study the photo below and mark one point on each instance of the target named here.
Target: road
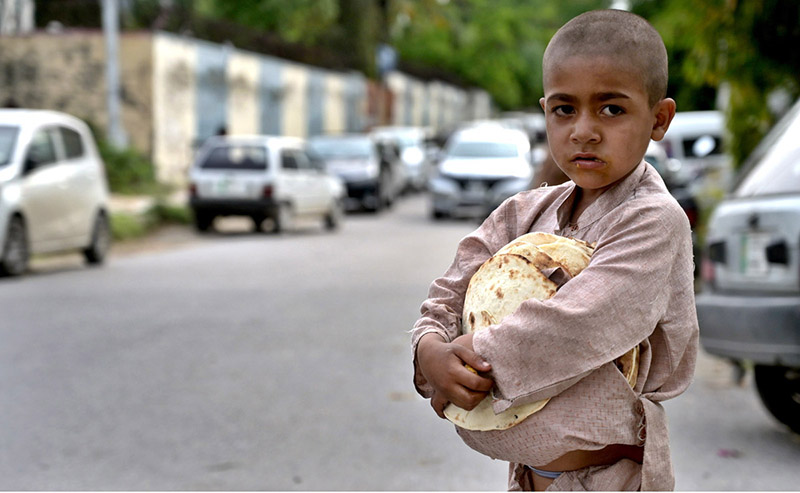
(241, 361)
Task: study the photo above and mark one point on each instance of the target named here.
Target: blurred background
(218, 220)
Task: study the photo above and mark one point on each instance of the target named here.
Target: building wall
(67, 72)
(178, 91)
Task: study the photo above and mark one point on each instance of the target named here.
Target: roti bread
(511, 276)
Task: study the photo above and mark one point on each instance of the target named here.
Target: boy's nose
(585, 130)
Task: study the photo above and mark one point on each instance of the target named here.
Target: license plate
(231, 188)
(753, 262)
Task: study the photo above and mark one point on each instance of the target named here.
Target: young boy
(605, 79)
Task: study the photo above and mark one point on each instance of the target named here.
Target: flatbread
(511, 276)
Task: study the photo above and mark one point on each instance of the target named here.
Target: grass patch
(126, 226)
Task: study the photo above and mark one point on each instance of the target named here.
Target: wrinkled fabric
(637, 289)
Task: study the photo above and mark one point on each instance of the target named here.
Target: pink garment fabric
(637, 289)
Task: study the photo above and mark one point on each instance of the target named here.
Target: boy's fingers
(467, 399)
(478, 383)
(472, 359)
(438, 403)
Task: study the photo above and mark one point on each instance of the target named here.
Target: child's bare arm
(442, 365)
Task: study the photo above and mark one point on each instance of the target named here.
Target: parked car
(749, 307)
(694, 144)
(262, 177)
(414, 153)
(369, 170)
(53, 189)
(480, 166)
(666, 167)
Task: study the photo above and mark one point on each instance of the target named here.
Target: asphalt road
(241, 361)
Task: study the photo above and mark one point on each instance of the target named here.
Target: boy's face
(598, 118)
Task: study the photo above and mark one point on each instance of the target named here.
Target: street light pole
(116, 132)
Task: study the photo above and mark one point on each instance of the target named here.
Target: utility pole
(116, 132)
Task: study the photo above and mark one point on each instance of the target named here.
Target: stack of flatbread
(519, 271)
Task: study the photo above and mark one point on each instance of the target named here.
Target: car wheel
(779, 389)
(437, 214)
(15, 253)
(258, 222)
(203, 221)
(333, 219)
(283, 219)
(95, 253)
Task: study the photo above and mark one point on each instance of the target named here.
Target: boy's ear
(541, 103)
(664, 112)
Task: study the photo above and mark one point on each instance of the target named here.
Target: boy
(605, 77)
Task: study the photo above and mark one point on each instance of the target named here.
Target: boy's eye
(563, 110)
(612, 110)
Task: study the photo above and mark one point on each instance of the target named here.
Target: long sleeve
(613, 305)
(441, 311)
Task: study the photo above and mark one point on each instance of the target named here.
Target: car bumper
(234, 207)
(765, 330)
(362, 188)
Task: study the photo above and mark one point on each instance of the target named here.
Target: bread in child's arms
(514, 274)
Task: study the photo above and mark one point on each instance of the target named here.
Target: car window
(73, 144)
(288, 159)
(774, 165)
(41, 150)
(342, 148)
(8, 140)
(483, 149)
(248, 157)
(702, 146)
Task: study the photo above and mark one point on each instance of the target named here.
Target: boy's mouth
(587, 161)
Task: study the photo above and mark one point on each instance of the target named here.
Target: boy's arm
(613, 305)
(441, 311)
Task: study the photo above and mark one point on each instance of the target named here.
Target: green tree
(743, 45)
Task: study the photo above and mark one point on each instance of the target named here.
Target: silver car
(481, 166)
(749, 307)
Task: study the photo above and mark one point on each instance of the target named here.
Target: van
(53, 189)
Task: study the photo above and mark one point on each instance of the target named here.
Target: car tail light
(707, 271)
(691, 213)
(193, 189)
(716, 253)
(266, 192)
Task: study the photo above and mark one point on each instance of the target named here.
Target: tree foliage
(742, 45)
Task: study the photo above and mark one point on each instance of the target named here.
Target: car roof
(34, 117)
(252, 138)
(490, 132)
(688, 122)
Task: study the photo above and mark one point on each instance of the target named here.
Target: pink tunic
(637, 289)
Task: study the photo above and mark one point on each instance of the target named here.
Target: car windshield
(774, 167)
(236, 157)
(483, 149)
(341, 148)
(8, 139)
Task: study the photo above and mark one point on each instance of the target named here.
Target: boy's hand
(442, 365)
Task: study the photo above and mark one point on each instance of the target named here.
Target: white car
(480, 167)
(262, 177)
(53, 189)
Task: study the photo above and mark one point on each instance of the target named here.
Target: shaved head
(617, 34)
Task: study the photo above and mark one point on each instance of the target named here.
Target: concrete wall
(178, 91)
(66, 72)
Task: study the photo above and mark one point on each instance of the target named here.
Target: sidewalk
(139, 204)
